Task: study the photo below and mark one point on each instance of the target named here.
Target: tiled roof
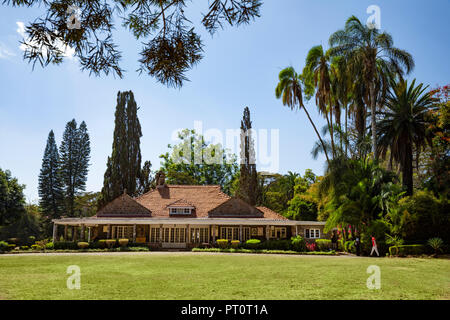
(181, 203)
(270, 214)
(124, 205)
(208, 201)
(203, 198)
(235, 208)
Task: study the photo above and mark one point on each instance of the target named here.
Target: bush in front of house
(222, 243)
(276, 245)
(36, 247)
(349, 246)
(24, 248)
(298, 244)
(65, 245)
(405, 250)
(4, 247)
(235, 243)
(123, 242)
(252, 244)
(83, 245)
(50, 246)
(323, 244)
(111, 243)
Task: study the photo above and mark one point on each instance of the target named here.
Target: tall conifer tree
(74, 158)
(248, 183)
(123, 170)
(50, 183)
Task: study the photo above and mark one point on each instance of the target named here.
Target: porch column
(214, 233)
(267, 232)
(65, 232)
(134, 233)
(55, 231)
(240, 233)
(160, 233)
(89, 234)
(188, 234)
(296, 230)
(82, 232)
(75, 235)
(108, 236)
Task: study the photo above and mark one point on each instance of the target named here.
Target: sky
(240, 68)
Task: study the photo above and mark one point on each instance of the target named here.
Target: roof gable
(124, 206)
(235, 207)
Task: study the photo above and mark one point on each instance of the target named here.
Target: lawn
(220, 276)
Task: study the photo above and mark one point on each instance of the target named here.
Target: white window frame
(180, 210)
(312, 233)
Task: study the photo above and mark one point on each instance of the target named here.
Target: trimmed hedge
(65, 245)
(83, 245)
(252, 244)
(123, 242)
(222, 243)
(404, 250)
(231, 250)
(323, 244)
(235, 243)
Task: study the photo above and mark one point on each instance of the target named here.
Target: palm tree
(375, 54)
(289, 89)
(404, 123)
(317, 74)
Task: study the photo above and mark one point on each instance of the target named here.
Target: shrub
(323, 244)
(101, 244)
(50, 246)
(276, 245)
(140, 248)
(298, 244)
(123, 242)
(110, 243)
(35, 247)
(13, 240)
(404, 250)
(436, 243)
(31, 240)
(349, 246)
(252, 243)
(235, 243)
(65, 245)
(83, 245)
(222, 243)
(4, 247)
(311, 246)
(24, 248)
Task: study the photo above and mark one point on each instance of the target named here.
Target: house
(183, 216)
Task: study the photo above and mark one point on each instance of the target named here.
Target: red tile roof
(208, 201)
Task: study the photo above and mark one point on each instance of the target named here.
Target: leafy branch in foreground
(171, 46)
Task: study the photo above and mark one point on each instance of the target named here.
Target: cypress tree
(50, 183)
(74, 161)
(248, 183)
(123, 170)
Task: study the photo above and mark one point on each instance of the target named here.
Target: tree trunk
(318, 135)
(373, 107)
(407, 170)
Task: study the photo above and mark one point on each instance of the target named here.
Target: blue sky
(239, 69)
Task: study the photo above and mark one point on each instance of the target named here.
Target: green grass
(221, 276)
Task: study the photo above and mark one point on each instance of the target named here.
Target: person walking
(374, 246)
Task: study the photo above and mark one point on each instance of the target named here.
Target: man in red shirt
(374, 246)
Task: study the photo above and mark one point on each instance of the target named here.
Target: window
(278, 232)
(123, 232)
(312, 233)
(154, 235)
(199, 235)
(181, 211)
(233, 233)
